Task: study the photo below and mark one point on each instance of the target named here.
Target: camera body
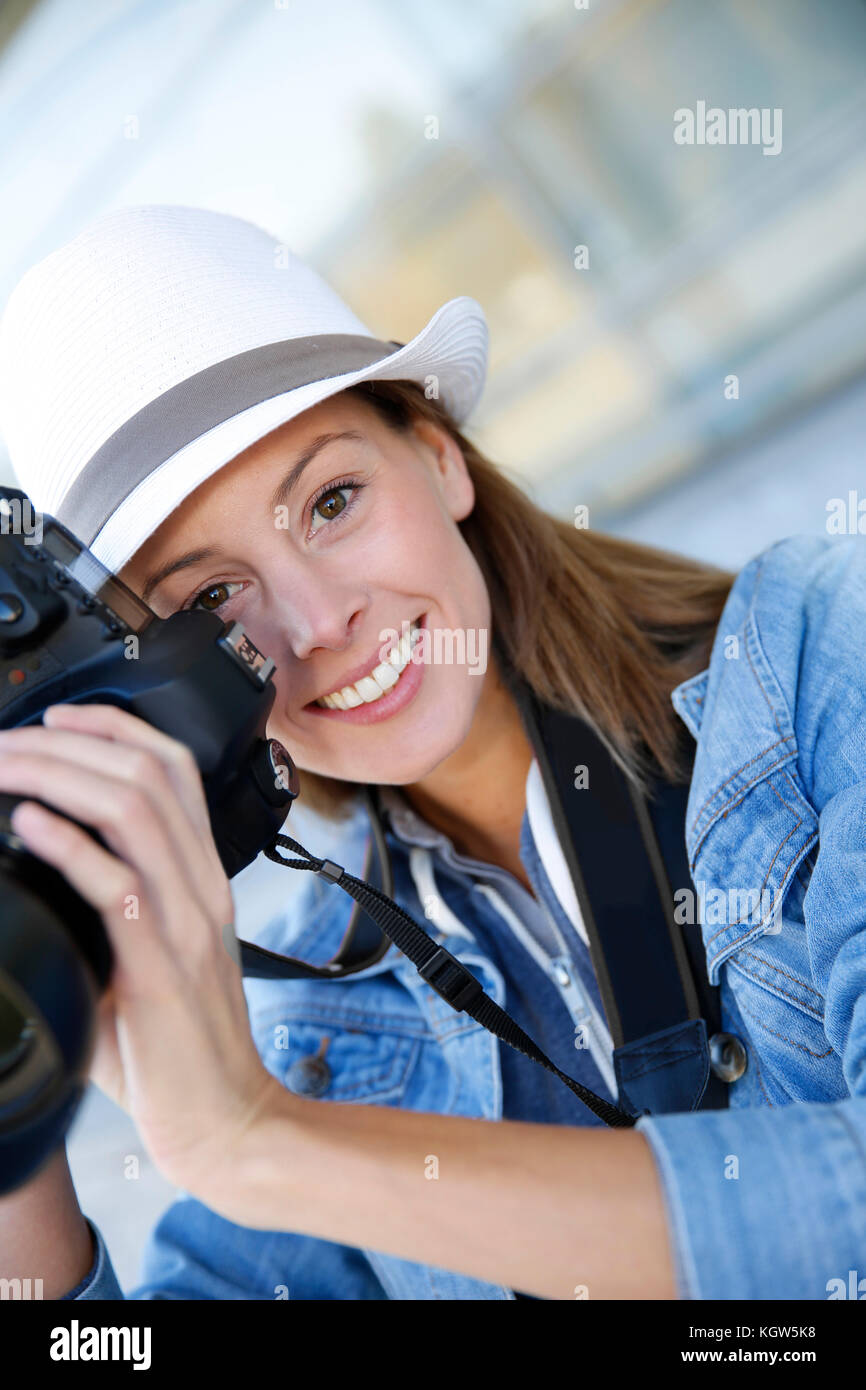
(71, 631)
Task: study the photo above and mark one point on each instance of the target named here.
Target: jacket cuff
(764, 1203)
(100, 1281)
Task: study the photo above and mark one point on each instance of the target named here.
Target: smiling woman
(277, 508)
(361, 538)
(270, 460)
(389, 516)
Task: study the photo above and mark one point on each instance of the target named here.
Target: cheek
(418, 551)
(417, 556)
(408, 544)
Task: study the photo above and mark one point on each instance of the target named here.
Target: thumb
(106, 1066)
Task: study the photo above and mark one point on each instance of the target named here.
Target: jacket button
(309, 1076)
(728, 1056)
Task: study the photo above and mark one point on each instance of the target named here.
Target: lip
(388, 704)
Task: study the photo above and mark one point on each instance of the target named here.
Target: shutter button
(728, 1056)
(310, 1076)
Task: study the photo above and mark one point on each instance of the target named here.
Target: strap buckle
(330, 872)
(450, 979)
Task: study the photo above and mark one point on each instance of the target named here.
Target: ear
(448, 466)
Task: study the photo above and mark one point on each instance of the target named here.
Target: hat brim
(448, 356)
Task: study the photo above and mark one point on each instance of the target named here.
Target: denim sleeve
(100, 1280)
(787, 1219)
(193, 1253)
(793, 1219)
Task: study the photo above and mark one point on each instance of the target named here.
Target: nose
(319, 613)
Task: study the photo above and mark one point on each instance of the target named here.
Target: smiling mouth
(378, 681)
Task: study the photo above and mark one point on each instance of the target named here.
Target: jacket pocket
(753, 848)
(335, 1061)
(745, 845)
(783, 1018)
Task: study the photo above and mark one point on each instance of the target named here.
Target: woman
(322, 517)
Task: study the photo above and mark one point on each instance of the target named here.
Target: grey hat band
(165, 425)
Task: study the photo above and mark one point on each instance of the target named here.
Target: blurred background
(677, 330)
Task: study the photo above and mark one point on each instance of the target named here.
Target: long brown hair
(595, 625)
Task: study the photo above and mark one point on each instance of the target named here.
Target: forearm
(43, 1234)
(545, 1209)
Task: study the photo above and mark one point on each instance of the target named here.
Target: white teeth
(398, 657)
(385, 675)
(372, 687)
(368, 689)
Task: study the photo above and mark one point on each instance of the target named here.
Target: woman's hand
(173, 1047)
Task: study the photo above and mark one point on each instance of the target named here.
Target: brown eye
(331, 504)
(213, 597)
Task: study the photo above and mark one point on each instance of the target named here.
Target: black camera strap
(445, 974)
(631, 859)
(627, 859)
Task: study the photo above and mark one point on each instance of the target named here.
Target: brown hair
(594, 624)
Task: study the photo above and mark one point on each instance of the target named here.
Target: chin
(391, 755)
(428, 745)
(396, 768)
(411, 758)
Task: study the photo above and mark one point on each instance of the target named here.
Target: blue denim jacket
(758, 1205)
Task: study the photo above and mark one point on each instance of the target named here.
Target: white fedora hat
(162, 341)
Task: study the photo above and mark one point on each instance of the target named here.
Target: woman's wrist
(547, 1209)
(44, 1238)
(256, 1184)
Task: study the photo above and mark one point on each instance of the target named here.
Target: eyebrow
(192, 557)
(315, 446)
(278, 498)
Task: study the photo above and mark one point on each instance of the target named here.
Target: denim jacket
(758, 1205)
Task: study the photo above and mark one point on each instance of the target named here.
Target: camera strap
(651, 978)
(627, 860)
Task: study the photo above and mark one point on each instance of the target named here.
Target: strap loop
(443, 972)
(330, 871)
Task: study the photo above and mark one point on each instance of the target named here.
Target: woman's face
(321, 561)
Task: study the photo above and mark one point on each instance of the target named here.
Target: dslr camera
(71, 631)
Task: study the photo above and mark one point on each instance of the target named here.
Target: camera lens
(16, 1035)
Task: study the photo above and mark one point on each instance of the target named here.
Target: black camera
(71, 631)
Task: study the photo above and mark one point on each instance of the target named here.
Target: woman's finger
(148, 965)
(106, 1064)
(128, 822)
(191, 1074)
(132, 766)
(109, 885)
(109, 722)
